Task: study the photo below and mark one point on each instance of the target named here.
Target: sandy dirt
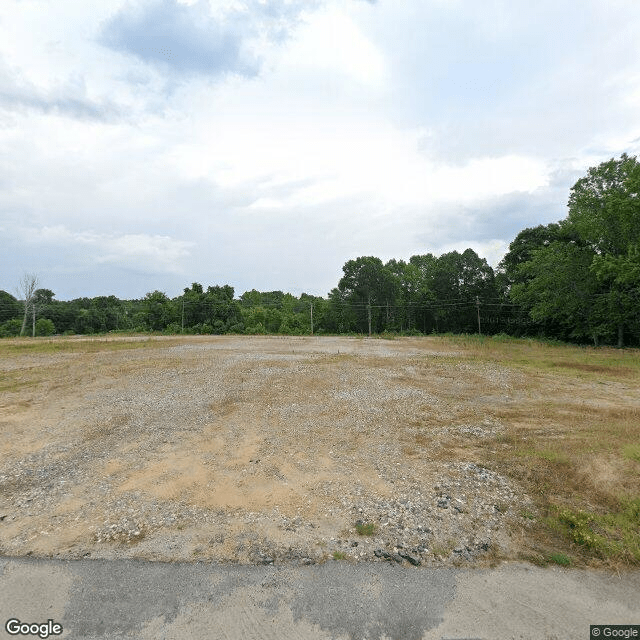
(257, 450)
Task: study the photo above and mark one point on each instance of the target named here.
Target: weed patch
(544, 454)
(632, 452)
(614, 535)
(365, 529)
(560, 558)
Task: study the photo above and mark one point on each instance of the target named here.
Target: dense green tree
(580, 277)
(557, 288)
(340, 316)
(619, 278)
(43, 297)
(522, 247)
(604, 206)
(457, 281)
(370, 289)
(222, 311)
(254, 319)
(158, 310)
(251, 298)
(192, 308)
(604, 209)
(10, 328)
(9, 307)
(419, 277)
(413, 294)
(320, 308)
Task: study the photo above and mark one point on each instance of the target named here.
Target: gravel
(361, 406)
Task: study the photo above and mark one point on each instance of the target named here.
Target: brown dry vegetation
(570, 440)
(563, 426)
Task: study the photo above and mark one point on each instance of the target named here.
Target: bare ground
(266, 449)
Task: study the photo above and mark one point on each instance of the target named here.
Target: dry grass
(572, 443)
(89, 344)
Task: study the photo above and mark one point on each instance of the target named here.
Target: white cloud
(156, 253)
(330, 42)
(149, 253)
(370, 129)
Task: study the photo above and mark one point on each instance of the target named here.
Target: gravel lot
(256, 450)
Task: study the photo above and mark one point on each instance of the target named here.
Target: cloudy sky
(148, 144)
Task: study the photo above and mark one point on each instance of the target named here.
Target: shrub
(45, 327)
(10, 328)
(172, 328)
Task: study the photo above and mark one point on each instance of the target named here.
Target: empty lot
(298, 449)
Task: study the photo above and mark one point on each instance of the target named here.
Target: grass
(569, 433)
(443, 550)
(552, 356)
(543, 454)
(612, 535)
(560, 558)
(86, 344)
(631, 452)
(13, 381)
(339, 555)
(365, 529)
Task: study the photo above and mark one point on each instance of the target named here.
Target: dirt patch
(594, 368)
(265, 449)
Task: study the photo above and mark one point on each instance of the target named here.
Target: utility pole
(312, 317)
(369, 314)
(182, 330)
(33, 308)
(478, 307)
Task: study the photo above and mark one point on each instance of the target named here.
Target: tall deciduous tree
(370, 287)
(557, 288)
(604, 208)
(157, 309)
(522, 247)
(9, 307)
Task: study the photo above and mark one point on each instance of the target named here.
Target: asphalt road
(111, 600)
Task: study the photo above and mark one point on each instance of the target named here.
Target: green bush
(10, 328)
(256, 330)
(45, 327)
(172, 328)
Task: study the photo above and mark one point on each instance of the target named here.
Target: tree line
(575, 280)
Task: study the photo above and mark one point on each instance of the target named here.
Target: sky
(149, 144)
